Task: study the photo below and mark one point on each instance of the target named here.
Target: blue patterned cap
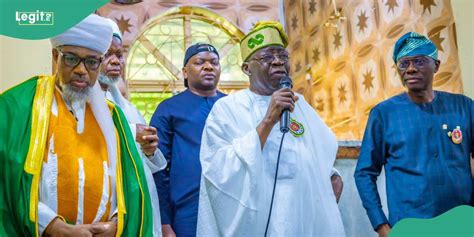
(411, 44)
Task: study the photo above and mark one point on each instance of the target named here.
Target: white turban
(115, 29)
(94, 32)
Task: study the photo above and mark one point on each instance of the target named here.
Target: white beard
(71, 95)
(104, 79)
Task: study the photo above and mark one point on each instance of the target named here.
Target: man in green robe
(68, 159)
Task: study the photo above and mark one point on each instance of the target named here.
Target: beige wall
(464, 18)
(22, 59)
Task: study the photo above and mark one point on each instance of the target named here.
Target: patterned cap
(411, 44)
(263, 34)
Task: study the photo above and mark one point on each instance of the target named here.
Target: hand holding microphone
(282, 102)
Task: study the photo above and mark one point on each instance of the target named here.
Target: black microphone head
(286, 82)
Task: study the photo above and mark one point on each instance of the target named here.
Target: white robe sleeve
(334, 171)
(231, 160)
(45, 216)
(157, 162)
(326, 148)
(230, 166)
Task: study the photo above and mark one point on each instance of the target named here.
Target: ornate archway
(155, 59)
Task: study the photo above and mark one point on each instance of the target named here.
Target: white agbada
(154, 164)
(237, 176)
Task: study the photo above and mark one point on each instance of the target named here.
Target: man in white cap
(109, 77)
(69, 164)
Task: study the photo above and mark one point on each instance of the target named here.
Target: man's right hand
(167, 231)
(59, 228)
(281, 99)
(383, 230)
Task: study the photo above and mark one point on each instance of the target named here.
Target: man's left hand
(337, 184)
(148, 141)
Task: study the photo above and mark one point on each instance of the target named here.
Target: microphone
(285, 82)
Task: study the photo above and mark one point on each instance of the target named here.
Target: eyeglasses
(72, 60)
(418, 62)
(269, 58)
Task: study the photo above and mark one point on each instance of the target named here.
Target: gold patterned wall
(342, 59)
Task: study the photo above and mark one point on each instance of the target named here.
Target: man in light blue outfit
(424, 140)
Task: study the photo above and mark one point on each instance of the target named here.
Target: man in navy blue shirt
(180, 121)
(424, 140)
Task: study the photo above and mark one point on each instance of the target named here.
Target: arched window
(155, 59)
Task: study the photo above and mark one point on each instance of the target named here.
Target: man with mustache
(180, 121)
(424, 140)
(146, 138)
(240, 146)
(69, 164)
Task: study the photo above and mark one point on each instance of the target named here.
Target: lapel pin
(456, 135)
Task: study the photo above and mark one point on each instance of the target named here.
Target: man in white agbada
(109, 77)
(240, 146)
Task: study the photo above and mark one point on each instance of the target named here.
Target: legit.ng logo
(37, 18)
